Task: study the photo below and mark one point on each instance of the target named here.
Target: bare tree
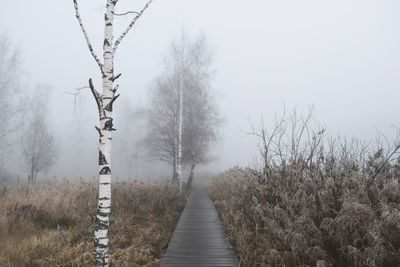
(10, 76)
(105, 103)
(202, 117)
(162, 120)
(183, 118)
(38, 145)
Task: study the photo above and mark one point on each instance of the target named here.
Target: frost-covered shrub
(311, 206)
(315, 222)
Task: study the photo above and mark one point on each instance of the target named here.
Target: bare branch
(388, 158)
(395, 151)
(116, 77)
(130, 26)
(76, 94)
(97, 98)
(89, 44)
(126, 13)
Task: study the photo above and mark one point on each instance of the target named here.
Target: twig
(130, 26)
(381, 167)
(126, 13)
(76, 94)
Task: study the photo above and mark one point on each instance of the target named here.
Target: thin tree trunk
(179, 163)
(191, 176)
(106, 127)
(32, 175)
(174, 172)
(105, 103)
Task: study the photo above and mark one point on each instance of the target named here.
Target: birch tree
(39, 149)
(183, 118)
(166, 116)
(202, 116)
(105, 101)
(181, 67)
(10, 73)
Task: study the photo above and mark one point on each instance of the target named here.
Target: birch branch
(97, 97)
(130, 26)
(76, 94)
(126, 13)
(89, 44)
(116, 77)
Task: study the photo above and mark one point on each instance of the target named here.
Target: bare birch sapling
(105, 101)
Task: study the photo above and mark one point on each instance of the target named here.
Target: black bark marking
(99, 131)
(105, 170)
(102, 159)
(108, 126)
(102, 214)
(116, 77)
(109, 106)
(106, 42)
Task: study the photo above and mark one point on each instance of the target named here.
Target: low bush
(327, 220)
(313, 202)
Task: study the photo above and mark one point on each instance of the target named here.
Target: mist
(340, 57)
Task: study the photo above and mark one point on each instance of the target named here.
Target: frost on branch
(307, 204)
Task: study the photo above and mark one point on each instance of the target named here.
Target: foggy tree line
(24, 126)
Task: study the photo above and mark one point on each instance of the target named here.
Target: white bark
(105, 132)
(180, 124)
(105, 107)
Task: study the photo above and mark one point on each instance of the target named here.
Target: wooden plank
(199, 238)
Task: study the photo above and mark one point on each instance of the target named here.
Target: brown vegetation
(311, 206)
(52, 225)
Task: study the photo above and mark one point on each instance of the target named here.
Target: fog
(342, 57)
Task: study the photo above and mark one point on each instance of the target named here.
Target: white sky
(341, 56)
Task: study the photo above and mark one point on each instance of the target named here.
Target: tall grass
(313, 202)
(52, 225)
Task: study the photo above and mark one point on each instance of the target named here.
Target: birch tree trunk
(105, 103)
(180, 123)
(105, 131)
(191, 176)
(179, 157)
(174, 172)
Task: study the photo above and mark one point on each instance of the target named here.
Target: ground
(53, 224)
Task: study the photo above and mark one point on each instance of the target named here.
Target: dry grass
(52, 225)
(314, 201)
(323, 220)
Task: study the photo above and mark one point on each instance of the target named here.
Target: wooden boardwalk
(199, 238)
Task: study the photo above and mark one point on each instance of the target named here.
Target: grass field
(52, 224)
